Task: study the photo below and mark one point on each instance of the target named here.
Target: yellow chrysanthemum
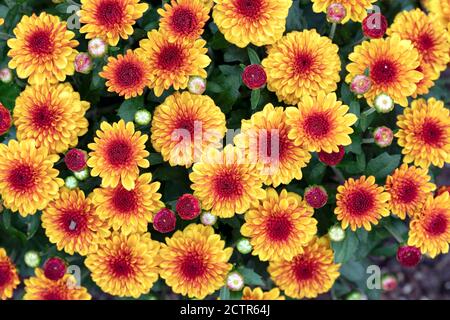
(52, 115)
(125, 266)
(258, 294)
(429, 230)
(302, 63)
(66, 288)
(321, 123)
(110, 19)
(70, 221)
(194, 262)
(43, 49)
(184, 125)
(129, 210)
(9, 279)
(225, 183)
(356, 9)
(172, 62)
(408, 187)
(117, 153)
(361, 203)
(440, 9)
(425, 133)
(260, 22)
(392, 64)
(309, 273)
(28, 181)
(279, 226)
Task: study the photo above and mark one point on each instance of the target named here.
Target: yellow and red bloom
(356, 9)
(9, 279)
(43, 49)
(194, 262)
(258, 294)
(117, 153)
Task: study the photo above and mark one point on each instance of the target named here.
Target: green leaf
(355, 147)
(345, 250)
(383, 165)
(224, 293)
(256, 94)
(8, 94)
(129, 107)
(251, 277)
(253, 56)
(6, 218)
(295, 19)
(33, 223)
(316, 174)
(365, 120)
(155, 158)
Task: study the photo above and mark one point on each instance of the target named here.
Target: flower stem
(368, 111)
(339, 176)
(394, 234)
(333, 30)
(369, 140)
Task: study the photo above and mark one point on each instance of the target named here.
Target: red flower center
(432, 133)
(22, 178)
(249, 8)
(424, 42)
(128, 74)
(302, 63)
(119, 152)
(73, 221)
(279, 228)
(5, 274)
(186, 123)
(192, 266)
(407, 191)
(121, 265)
(303, 269)
(183, 20)
(40, 42)
(383, 72)
(110, 13)
(437, 224)
(170, 57)
(42, 117)
(317, 125)
(359, 202)
(227, 184)
(123, 200)
(53, 294)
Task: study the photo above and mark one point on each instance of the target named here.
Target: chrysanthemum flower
(360, 203)
(43, 49)
(129, 210)
(172, 62)
(279, 226)
(309, 273)
(110, 19)
(429, 230)
(408, 187)
(440, 9)
(302, 63)
(225, 183)
(424, 133)
(265, 140)
(66, 288)
(52, 115)
(72, 224)
(127, 75)
(28, 181)
(9, 279)
(194, 262)
(184, 125)
(117, 153)
(321, 123)
(125, 265)
(392, 65)
(260, 22)
(258, 294)
(356, 9)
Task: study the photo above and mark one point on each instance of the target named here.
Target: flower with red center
(356, 9)
(194, 262)
(225, 183)
(110, 19)
(258, 294)
(408, 256)
(28, 181)
(55, 268)
(392, 65)
(374, 26)
(165, 221)
(172, 62)
(320, 123)
(361, 203)
(442, 189)
(260, 22)
(429, 229)
(409, 188)
(129, 210)
(254, 76)
(266, 142)
(316, 196)
(117, 153)
(332, 158)
(43, 49)
(5, 119)
(302, 63)
(309, 273)
(188, 207)
(126, 265)
(279, 226)
(75, 160)
(9, 279)
(424, 133)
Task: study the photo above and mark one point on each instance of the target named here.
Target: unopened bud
(32, 259)
(97, 48)
(384, 103)
(244, 246)
(235, 281)
(83, 63)
(196, 85)
(208, 219)
(383, 136)
(336, 12)
(142, 117)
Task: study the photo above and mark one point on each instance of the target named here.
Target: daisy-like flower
(117, 153)
(172, 62)
(440, 9)
(28, 181)
(279, 226)
(361, 203)
(309, 273)
(183, 18)
(110, 19)
(356, 9)
(258, 294)
(392, 65)
(429, 230)
(194, 262)
(52, 115)
(225, 183)
(40, 287)
(127, 75)
(424, 133)
(321, 123)
(408, 187)
(72, 224)
(265, 140)
(43, 49)
(302, 63)
(260, 22)
(126, 265)
(129, 210)
(184, 125)
(9, 279)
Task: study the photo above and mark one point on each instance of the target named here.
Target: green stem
(339, 176)
(369, 140)
(394, 234)
(333, 30)
(368, 111)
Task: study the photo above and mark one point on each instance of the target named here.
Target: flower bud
(83, 63)
(196, 85)
(164, 221)
(389, 282)
(383, 136)
(316, 196)
(32, 259)
(384, 103)
(360, 84)
(142, 117)
(5, 119)
(208, 219)
(408, 256)
(235, 281)
(97, 48)
(244, 246)
(356, 295)
(75, 159)
(188, 207)
(254, 76)
(333, 158)
(336, 233)
(71, 182)
(336, 12)
(82, 175)
(6, 75)
(374, 26)
(55, 268)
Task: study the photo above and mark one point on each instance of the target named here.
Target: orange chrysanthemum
(9, 279)
(258, 294)
(356, 9)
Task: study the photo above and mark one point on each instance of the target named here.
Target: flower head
(6, 75)
(75, 159)
(259, 294)
(208, 219)
(235, 281)
(254, 76)
(165, 221)
(332, 158)
(383, 136)
(374, 26)
(5, 119)
(383, 103)
(336, 12)
(55, 268)
(9, 279)
(408, 256)
(316, 196)
(360, 84)
(196, 85)
(188, 207)
(97, 48)
(83, 63)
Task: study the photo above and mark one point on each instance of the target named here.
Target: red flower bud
(188, 207)
(164, 221)
(408, 256)
(374, 26)
(75, 160)
(332, 159)
(55, 268)
(254, 76)
(316, 196)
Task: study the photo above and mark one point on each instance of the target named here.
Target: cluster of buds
(97, 48)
